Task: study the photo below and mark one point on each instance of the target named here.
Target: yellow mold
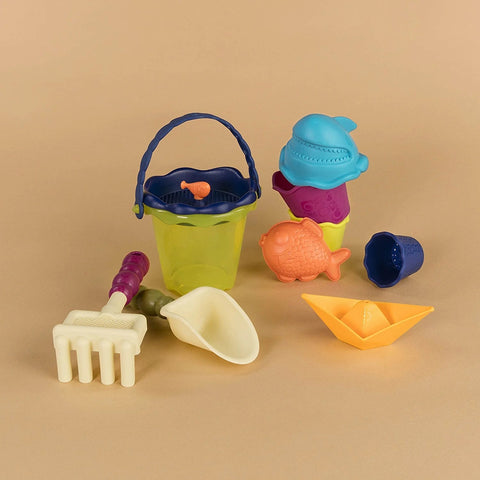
(363, 323)
(332, 232)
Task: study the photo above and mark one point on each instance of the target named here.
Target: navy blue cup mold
(389, 258)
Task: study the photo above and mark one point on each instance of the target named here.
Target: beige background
(84, 88)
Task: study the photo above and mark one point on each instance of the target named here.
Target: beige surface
(85, 86)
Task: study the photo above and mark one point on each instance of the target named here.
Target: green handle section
(150, 301)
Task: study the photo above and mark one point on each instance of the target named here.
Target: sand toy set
(199, 218)
(315, 165)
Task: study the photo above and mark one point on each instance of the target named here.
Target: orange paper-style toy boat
(363, 323)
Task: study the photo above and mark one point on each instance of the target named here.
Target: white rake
(107, 332)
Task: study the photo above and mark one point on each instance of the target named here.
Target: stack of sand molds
(315, 165)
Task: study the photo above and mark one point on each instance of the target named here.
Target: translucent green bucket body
(199, 249)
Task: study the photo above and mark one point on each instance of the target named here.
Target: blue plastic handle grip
(163, 132)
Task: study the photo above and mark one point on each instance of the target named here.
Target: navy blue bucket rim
(163, 132)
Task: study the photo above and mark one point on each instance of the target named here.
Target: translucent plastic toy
(389, 258)
(107, 332)
(333, 233)
(321, 153)
(297, 250)
(198, 239)
(211, 319)
(363, 323)
(320, 205)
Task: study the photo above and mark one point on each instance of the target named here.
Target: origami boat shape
(363, 323)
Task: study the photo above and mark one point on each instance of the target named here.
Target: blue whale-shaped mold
(321, 153)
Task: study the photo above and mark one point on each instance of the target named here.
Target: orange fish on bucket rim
(199, 189)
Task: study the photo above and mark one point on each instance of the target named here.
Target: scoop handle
(127, 281)
(150, 301)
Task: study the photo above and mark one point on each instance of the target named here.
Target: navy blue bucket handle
(163, 132)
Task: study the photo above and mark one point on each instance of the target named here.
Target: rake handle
(127, 281)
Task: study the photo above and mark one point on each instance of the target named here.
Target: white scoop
(211, 319)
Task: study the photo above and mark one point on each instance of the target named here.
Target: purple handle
(134, 267)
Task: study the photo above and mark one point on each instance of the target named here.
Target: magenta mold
(320, 205)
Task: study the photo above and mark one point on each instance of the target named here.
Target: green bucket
(198, 240)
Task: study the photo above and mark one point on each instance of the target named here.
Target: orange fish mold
(297, 250)
(363, 323)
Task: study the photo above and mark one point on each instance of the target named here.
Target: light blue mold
(321, 153)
